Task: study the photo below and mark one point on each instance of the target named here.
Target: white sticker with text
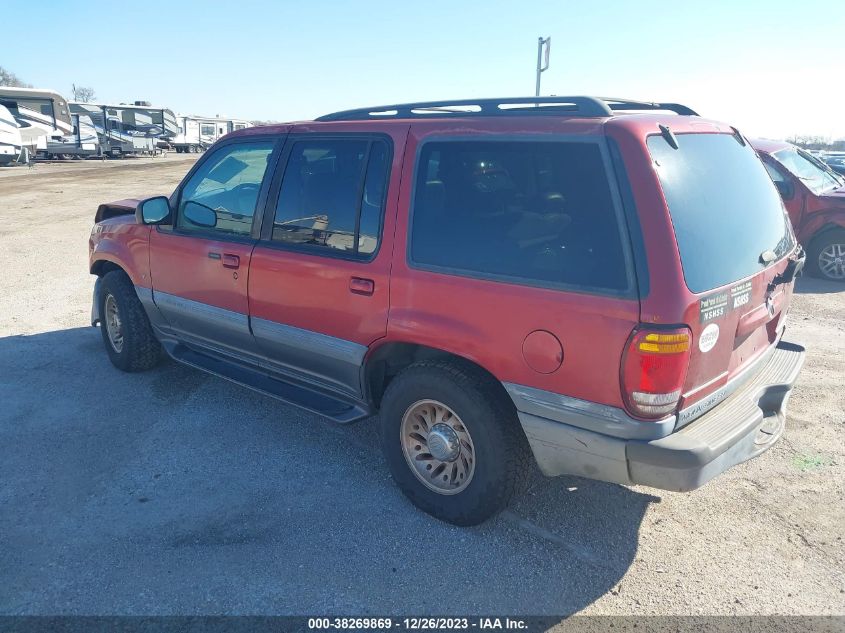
(708, 338)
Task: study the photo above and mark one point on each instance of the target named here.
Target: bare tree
(817, 142)
(83, 94)
(8, 78)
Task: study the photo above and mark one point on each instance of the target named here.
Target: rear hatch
(735, 242)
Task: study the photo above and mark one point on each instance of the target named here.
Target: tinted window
(540, 212)
(227, 183)
(724, 208)
(332, 196)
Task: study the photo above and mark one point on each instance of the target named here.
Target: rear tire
(489, 460)
(826, 256)
(127, 333)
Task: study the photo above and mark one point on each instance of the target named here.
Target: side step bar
(318, 401)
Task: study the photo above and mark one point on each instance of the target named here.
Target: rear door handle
(227, 259)
(231, 261)
(360, 286)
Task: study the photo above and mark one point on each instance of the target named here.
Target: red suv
(814, 195)
(601, 283)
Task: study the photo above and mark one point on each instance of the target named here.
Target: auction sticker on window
(708, 338)
(713, 307)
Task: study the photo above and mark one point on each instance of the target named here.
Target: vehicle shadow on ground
(816, 286)
(174, 492)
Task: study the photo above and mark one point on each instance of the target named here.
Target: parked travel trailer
(40, 114)
(11, 145)
(81, 143)
(198, 133)
(129, 129)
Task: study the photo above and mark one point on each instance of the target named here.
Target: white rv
(40, 115)
(81, 143)
(128, 129)
(11, 145)
(198, 133)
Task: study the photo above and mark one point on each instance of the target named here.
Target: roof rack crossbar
(579, 106)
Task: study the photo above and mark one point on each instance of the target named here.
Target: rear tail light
(654, 368)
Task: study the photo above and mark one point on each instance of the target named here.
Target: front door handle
(360, 286)
(231, 261)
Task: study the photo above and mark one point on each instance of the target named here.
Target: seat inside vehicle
(538, 211)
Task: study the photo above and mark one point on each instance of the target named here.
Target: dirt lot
(175, 492)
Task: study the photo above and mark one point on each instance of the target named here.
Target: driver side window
(221, 196)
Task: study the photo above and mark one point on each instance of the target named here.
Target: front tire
(127, 334)
(826, 257)
(453, 442)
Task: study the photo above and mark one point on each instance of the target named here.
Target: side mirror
(199, 215)
(785, 188)
(154, 210)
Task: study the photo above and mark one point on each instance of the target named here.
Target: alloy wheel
(832, 261)
(437, 447)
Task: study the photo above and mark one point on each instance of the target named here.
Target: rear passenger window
(332, 196)
(537, 212)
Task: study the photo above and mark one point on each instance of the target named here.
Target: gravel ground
(173, 492)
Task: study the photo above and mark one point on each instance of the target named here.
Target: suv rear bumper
(739, 428)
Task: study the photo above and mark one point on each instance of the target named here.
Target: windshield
(807, 169)
(725, 210)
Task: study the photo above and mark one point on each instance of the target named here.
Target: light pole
(542, 60)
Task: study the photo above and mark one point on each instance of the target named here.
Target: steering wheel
(246, 196)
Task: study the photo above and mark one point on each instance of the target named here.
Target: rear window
(724, 207)
(539, 213)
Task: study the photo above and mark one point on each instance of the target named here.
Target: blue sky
(771, 68)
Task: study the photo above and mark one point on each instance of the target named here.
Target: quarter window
(225, 188)
(332, 196)
(537, 212)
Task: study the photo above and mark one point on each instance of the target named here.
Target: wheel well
(824, 230)
(103, 266)
(391, 358)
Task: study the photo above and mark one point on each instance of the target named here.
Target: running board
(307, 397)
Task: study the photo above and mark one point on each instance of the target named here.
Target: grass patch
(811, 462)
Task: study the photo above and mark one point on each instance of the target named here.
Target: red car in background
(814, 196)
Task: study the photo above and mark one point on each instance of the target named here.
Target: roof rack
(578, 106)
